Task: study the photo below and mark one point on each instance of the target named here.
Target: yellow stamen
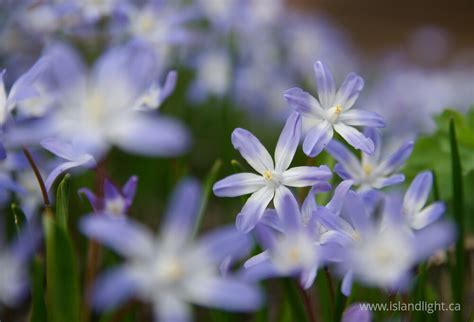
(268, 175)
(367, 168)
(338, 109)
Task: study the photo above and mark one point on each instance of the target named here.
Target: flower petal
(355, 138)
(346, 286)
(433, 238)
(129, 189)
(380, 183)
(253, 209)
(337, 201)
(317, 138)
(252, 150)
(287, 209)
(325, 83)
(396, 159)
(225, 242)
(181, 215)
(170, 308)
(126, 237)
(418, 192)
(357, 313)
(428, 215)
(345, 158)
(362, 118)
(86, 162)
(305, 176)
(113, 288)
(349, 91)
(288, 142)
(225, 293)
(307, 278)
(373, 160)
(304, 103)
(238, 184)
(139, 133)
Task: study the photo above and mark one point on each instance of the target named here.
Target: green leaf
(38, 305)
(458, 212)
(207, 188)
(295, 300)
(19, 217)
(61, 274)
(62, 201)
(341, 301)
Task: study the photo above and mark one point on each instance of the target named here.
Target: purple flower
(379, 252)
(414, 211)
(332, 112)
(291, 243)
(13, 261)
(373, 171)
(357, 312)
(100, 108)
(272, 181)
(172, 270)
(115, 202)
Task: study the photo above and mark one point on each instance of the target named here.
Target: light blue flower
(333, 112)
(416, 215)
(381, 252)
(100, 108)
(357, 312)
(291, 239)
(171, 271)
(373, 170)
(272, 180)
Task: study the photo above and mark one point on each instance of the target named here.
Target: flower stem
(39, 178)
(307, 304)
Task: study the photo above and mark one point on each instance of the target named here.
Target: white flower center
(115, 206)
(334, 112)
(273, 179)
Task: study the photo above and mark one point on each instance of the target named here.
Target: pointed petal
(418, 192)
(252, 150)
(170, 308)
(225, 242)
(225, 293)
(305, 176)
(349, 91)
(307, 278)
(345, 158)
(346, 286)
(288, 142)
(428, 215)
(390, 181)
(287, 209)
(396, 159)
(357, 214)
(373, 159)
(435, 237)
(130, 188)
(304, 103)
(238, 184)
(113, 288)
(325, 83)
(180, 217)
(63, 167)
(357, 313)
(355, 138)
(253, 209)
(126, 237)
(317, 138)
(361, 118)
(337, 201)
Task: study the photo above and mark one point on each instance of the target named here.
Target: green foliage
(434, 152)
(19, 217)
(458, 212)
(38, 308)
(62, 280)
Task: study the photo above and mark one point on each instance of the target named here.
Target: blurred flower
(157, 94)
(74, 154)
(272, 181)
(114, 202)
(99, 108)
(171, 270)
(414, 211)
(356, 313)
(291, 244)
(376, 254)
(13, 261)
(333, 112)
(373, 171)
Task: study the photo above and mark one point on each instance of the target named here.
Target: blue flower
(272, 181)
(101, 108)
(291, 239)
(114, 202)
(373, 171)
(416, 215)
(380, 252)
(357, 312)
(172, 270)
(333, 112)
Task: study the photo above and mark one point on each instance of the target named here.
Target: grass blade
(457, 271)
